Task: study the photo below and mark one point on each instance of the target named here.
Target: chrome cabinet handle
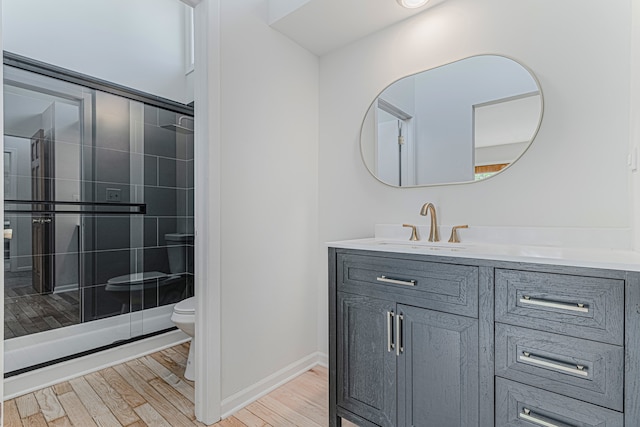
(571, 307)
(385, 279)
(390, 345)
(540, 361)
(526, 415)
(399, 348)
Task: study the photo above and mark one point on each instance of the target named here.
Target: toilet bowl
(184, 316)
(164, 288)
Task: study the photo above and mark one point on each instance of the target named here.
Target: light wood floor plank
(61, 422)
(119, 384)
(62, 388)
(49, 404)
(321, 370)
(182, 349)
(150, 416)
(169, 377)
(159, 403)
(112, 399)
(27, 405)
(93, 403)
(77, 413)
(287, 412)
(312, 387)
(262, 412)
(300, 404)
(175, 355)
(231, 422)
(250, 419)
(181, 403)
(36, 420)
(11, 414)
(160, 370)
(139, 368)
(164, 358)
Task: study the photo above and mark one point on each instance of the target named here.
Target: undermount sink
(431, 246)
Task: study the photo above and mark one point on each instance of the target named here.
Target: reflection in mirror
(461, 122)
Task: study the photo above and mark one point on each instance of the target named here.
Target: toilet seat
(187, 306)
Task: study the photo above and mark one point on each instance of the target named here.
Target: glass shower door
(99, 212)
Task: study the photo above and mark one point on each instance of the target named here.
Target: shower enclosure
(98, 237)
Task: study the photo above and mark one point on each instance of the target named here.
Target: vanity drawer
(578, 306)
(522, 405)
(443, 287)
(587, 370)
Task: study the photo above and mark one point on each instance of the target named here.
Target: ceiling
(321, 26)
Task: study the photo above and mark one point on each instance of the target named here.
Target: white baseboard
(234, 403)
(323, 360)
(64, 371)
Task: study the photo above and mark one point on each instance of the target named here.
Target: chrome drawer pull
(571, 307)
(389, 331)
(535, 360)
(526, 415)
(385, 279)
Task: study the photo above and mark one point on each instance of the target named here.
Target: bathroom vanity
(439, 336)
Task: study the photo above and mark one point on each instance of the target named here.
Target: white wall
(269, 152)
(574, 174)
(635, 120)
(139, 44)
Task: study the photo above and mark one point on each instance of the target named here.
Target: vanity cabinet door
(437, 369)
(366, 361)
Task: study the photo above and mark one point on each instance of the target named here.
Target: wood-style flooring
(152, 391)
(30, 314)
(27, 312)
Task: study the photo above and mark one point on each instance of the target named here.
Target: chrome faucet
(433, 232)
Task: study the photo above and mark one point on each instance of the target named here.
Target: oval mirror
(460, 122)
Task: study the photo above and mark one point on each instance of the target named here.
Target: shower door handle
(41, 220)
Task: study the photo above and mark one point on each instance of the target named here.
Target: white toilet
(184, 316)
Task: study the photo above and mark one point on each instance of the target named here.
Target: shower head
(179, 127)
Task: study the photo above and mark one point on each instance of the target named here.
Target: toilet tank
(180, 252)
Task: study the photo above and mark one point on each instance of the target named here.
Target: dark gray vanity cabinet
(406, 342)
(422, 340)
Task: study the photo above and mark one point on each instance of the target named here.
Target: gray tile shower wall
(117, 246)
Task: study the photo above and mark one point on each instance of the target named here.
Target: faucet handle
(454, 233)
(414, 232)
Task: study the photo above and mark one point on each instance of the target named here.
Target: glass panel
(168, 225)
(84, 260)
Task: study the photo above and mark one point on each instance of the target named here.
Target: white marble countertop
(613, 259)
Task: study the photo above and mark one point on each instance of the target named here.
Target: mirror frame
(533, 136)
